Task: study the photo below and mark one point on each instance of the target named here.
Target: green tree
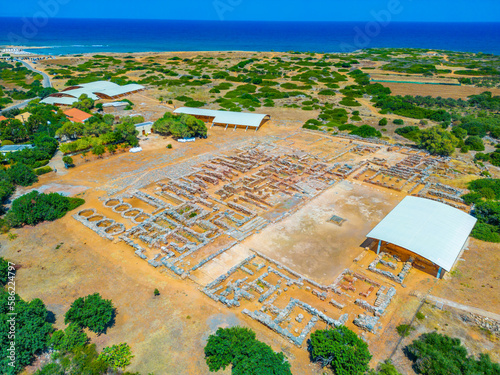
(65, 341)
(156, 291)
(116, 356)
(98, 150)
(21, 174)
(238, 347)
(340, 348)
(112, 149)
(437, 354)
(383, 122)
(4, 271)
(32, 331)
(474, 143)
(68, 160)
(35, 207)
(92, 312)
(437, 141)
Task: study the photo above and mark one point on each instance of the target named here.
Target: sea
(75, 36)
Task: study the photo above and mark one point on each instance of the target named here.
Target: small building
(13, 148)
(23, 117)
(145, 128)
(76, 115)
(432, 233)
(227, 119)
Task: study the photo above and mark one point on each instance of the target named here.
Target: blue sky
(275, 10)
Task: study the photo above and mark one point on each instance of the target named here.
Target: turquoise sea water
(81, 36)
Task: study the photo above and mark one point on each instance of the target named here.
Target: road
(46, 83)
(46, 79)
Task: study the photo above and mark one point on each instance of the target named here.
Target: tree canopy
(92, 312)
(238, 347)
(35, 207)
(437, 354)
(341, 349)
(180, 126)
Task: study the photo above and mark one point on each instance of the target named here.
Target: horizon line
(227, 21)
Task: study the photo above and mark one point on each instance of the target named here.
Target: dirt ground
(306, 239)
(444, 91)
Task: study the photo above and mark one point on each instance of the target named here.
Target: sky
(261, 10)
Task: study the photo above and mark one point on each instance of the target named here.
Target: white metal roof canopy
(226, 117)
(433, 230)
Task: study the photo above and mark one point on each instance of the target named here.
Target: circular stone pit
(88, 212)
(115, 229)
(112, 202)
(122, 207)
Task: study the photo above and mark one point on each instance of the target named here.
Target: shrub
(474, 143)
(398, 121)
(117, 356)
(383, 122)
(404, 330)
(43, 170)
(366, 131)
(92, 312)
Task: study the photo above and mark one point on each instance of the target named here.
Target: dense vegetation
(485, 195)
(341, 349)
(237, 347)
(180, 126)
(35, 207)
(32, 331)
(437, 354)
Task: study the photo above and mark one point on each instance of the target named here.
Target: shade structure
(253, 120)
(433, 230)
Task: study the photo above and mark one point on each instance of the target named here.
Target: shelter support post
(234, 128)
(226, 126)
(439, 273)
(246, 128)
(378, 246)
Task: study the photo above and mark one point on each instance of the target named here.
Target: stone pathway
(469, 309)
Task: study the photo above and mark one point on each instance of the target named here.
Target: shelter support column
(439, 273)
(378, 246)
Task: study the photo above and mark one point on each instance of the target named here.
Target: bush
(341, 349)
(474, 143)
(117, 356)
(4, 271)
(92, 312)
(398, 121)
(383, 122)
(43, 170)
(404, 330)
(366, 131)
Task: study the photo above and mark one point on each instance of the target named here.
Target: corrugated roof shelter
(225, 118)
(430, 229)
(94, 90)
(13, 148)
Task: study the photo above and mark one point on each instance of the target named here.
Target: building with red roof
(76, 115)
